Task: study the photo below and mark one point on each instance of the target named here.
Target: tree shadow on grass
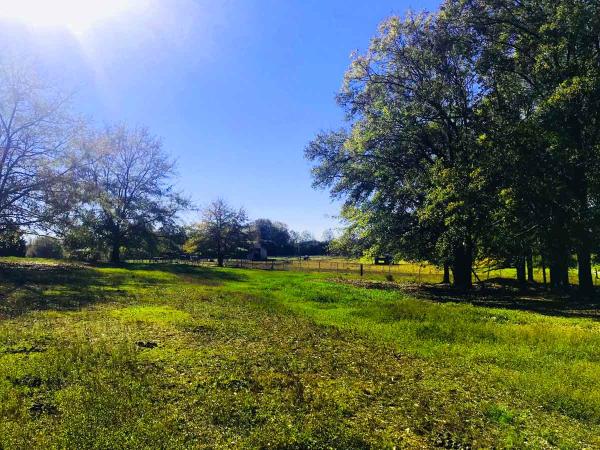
(507, 294)
(501, 293)
(190, 273)
(29, 286)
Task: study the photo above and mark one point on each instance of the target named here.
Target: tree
(273, 236)
(81, 243)
(350, 243)
(169, 240)
(328, 235)
(12, 242)
(221, 233)
(546, 54)
(127, 188)
(45, 247)
(410, 159)
(36, 149)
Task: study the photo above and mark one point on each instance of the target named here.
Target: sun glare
(76, 15)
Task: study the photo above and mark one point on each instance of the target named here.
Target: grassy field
(167, 356)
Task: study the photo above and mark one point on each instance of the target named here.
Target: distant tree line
(225, 232)
(474, 134)
(92, 193)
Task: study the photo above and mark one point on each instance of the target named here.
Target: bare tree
(328, 235)
(127, 187)
(221, 233)
(36, 143)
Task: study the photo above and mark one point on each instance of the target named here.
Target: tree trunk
(220, 260)
(530, 267)
(554, 278)
(520, 266)
(565, 273)
(559, 268)
(584, 265)
(584, 257)
(446, 279)
(115, 254)
(559, 275)
(462, 267)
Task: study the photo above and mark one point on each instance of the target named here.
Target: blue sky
(236, 88)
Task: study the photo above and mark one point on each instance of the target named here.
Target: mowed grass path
(183, 357)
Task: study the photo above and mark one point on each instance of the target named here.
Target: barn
(257, 253)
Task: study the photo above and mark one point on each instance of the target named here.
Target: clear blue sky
(236, 88)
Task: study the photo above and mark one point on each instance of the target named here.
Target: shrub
(12, 242)
(45, 247)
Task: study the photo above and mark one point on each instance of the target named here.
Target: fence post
(362, 271)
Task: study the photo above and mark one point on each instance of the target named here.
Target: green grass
(181, 357)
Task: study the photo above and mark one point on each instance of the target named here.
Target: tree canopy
(472, 133)
(221, 233)
(37, 151)
(126, 189)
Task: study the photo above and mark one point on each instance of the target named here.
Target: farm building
(257, 253)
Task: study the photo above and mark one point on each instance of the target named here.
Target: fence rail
(418, 273)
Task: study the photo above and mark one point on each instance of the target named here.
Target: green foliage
(407, 166)
(81, 243)
(221, 234)
(349, 244)
(473, 133)
(127, 193)
(37, 151)
(273, 236)
(12, 242)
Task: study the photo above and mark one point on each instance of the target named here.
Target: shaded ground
(31, 286)
(496, 293)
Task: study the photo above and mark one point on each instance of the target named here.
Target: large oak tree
(127, 188)
(408, 166)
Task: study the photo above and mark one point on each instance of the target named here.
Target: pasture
(176, 356)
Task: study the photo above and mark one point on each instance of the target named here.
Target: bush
(45, 247)
(12, 242)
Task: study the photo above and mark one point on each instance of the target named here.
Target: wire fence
(408, 272)
(417, 272)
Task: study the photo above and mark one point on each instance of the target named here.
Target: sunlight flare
(75, 15)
